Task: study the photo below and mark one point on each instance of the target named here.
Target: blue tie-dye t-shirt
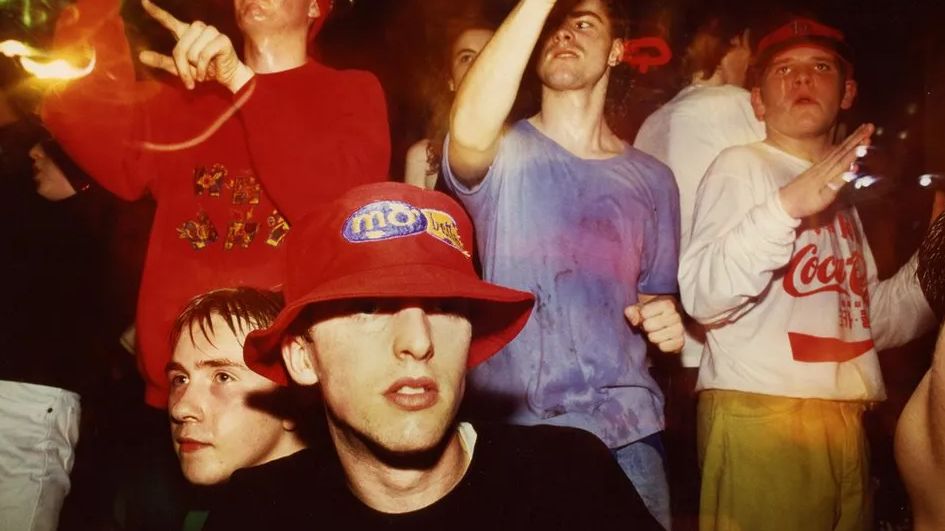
(585, 237)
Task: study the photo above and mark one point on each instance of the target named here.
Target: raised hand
(815, 189)
(659, 318)
(202, 53)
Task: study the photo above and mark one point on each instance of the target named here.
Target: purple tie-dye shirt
(585, 237)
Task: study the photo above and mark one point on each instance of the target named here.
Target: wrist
(240, 78)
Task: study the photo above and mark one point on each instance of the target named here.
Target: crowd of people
(471, 348)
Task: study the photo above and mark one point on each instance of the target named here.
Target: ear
(313, 10)
(299, 361)
(849, 94)
(756, 104)
(616, 53)
(451, 85)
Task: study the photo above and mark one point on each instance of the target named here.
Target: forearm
(899, 312)
(487, 93)
(725, 268)
(94, 117)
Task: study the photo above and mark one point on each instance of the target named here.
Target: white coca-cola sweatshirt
(791, 307)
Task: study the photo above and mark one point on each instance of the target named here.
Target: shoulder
(745, 156)
(537, 445)
(418, 150)
(269, 496)
(350, 79)
(270, 481)
(649, 168)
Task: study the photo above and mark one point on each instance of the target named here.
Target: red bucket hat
(800, 31)
(388, 240)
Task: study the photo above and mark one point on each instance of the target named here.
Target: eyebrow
(214, 363)
(585, 13)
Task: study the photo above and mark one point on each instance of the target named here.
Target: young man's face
(270, 17)
(801, 92)
(214, 427)
(391, 372)
(577, 54)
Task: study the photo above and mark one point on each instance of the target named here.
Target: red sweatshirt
(227, 172)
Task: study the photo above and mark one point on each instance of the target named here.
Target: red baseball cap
(388, 240)
(800, 31)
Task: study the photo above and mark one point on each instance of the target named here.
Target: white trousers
(39, 428)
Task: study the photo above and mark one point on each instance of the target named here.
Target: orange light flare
(43, 65)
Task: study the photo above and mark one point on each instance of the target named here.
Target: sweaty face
(50, 181)
(801, 92)
(215, 430)
(464, 52)
(392, 372)
(577, 53)
(260, 18)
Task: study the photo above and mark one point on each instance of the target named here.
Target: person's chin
(204, 476)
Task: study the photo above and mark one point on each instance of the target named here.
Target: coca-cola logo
(809, 274)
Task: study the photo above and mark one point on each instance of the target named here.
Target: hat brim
(842, 50)
(497, 314)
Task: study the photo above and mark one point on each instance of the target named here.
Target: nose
(563, 34)
(36, 152)
(802, 75)
(412, 334)
(185, 404)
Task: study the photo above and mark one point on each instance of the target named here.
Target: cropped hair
(242, 309)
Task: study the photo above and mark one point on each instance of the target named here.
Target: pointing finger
(164, 18)
(156, 60)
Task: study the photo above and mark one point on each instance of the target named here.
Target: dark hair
(474, 16)
(931, 268)
(709, 44)
(243, 309)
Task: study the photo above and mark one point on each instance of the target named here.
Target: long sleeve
(741, 236)
(314, 133)
(899, 311)
(96, 118)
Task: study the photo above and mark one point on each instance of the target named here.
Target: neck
(275, 53)
(404, 486)
(812, 148)
(575, 120)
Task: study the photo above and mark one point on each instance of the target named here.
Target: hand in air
(815, 189)
(202, 53)
(659, 318)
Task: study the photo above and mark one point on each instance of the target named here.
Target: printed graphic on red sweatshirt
(830, 272)
(240, 192)
(242, 230)
(199, 231)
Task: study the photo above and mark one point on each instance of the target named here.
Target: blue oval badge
(383, 220)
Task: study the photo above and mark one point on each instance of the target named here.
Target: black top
(51, 270)
(539, 477)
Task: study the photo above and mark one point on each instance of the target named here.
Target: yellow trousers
(782, 464)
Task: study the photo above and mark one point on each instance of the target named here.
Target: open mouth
(413, 394)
